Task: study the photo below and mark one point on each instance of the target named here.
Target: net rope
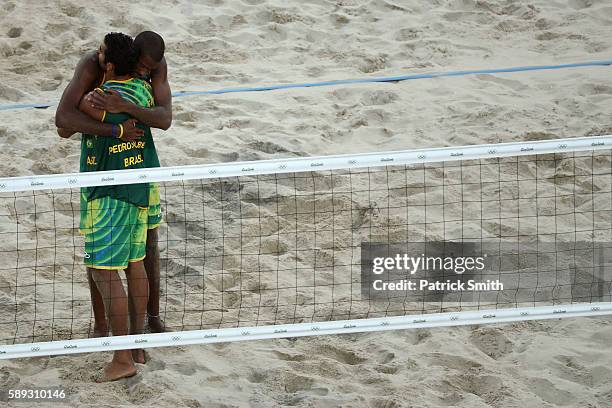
(279, 248)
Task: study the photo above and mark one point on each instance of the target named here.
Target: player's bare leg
(151, 263)
(113, 294)
(100, 324)
(138, 296)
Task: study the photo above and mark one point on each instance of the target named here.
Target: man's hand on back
(130, 131)
(111, 101)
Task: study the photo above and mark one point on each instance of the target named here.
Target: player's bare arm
(68, 118)
(159, 116)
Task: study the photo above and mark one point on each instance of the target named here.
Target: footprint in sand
(14, 32)
(385, 357)
(340, 19)
(294, 383)
(595, 89)
(83, 33)
(155, 365)
(572, 370)
(183, 369)
(8, 7)
(289, 357)
(547, 391)
(342, 356)
(238, 20)
(12, 94)
(281, 17)
(274, 247)
(605, 398)
(373, 64)
(140, 393)
(417, 336)
(387, 369)
(267, 147)
(379, 98)
(406, 34)
(492, 342)
(488, 387)
(186, 116)
(72, 10)
(257, 377)
(452, 361)
(385, 403)
(580, 4)
(508, 83)
(8, 379)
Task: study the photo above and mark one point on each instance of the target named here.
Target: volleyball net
(309, 246)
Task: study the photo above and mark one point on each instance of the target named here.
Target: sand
(218, 44)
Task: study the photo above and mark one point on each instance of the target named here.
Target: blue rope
(351, 81)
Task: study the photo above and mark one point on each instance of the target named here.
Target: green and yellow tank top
(109, 153)
(135, 90)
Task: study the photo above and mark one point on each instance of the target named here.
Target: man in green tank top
(89, 73)
(114, 219)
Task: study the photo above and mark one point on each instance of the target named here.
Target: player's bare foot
(156, 324)
(139, 356)
(114, 371)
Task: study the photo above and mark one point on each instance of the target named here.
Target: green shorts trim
(115, 232)
(154, 218)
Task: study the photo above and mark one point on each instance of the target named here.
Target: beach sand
(220, 44)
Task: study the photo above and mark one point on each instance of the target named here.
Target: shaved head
(150, 44)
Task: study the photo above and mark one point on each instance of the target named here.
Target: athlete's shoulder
(89, 63)
(163, 65)
(87, 71)
(161, 72)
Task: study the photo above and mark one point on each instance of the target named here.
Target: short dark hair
(150, 44)
(120, 51)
